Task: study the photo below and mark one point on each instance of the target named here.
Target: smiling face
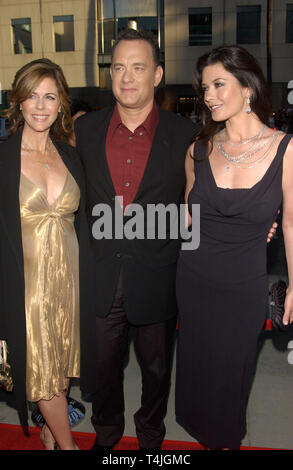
(40, 109)
(223, 94)
(134, 74)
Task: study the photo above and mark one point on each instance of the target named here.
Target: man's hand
(272, 231)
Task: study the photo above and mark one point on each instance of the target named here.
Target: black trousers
(154, 348)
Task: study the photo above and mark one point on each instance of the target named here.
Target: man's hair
(140, 35)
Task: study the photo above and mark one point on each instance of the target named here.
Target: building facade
(194, 27)
(79, 34)
(63, 31)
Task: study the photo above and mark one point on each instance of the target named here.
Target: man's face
(134, 74)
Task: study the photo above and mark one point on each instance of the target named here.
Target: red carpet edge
(13, 438)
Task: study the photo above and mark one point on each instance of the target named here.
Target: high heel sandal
(47, 439)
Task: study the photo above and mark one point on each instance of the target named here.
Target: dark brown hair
(25, 82)
(134, 35)
(245, 68)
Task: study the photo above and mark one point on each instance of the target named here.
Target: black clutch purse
(277, 300)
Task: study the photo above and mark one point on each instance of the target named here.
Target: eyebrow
(135, 63)
(48, 93)
(215, 80)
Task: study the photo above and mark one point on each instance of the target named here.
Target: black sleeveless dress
(222, 292)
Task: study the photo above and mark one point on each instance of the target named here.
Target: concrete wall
(80, 66)
(180, 57)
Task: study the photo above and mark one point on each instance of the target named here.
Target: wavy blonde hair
(25, 82)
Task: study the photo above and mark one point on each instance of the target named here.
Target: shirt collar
(149, 124)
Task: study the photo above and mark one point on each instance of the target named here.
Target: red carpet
(12, 438)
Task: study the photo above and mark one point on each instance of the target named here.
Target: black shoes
(100, 448)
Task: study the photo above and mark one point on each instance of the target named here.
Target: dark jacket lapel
(93, 150)
(9, 193)
(158, 159)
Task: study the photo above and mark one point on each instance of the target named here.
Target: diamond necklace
(245, 141)
(50, 148)
(246, 165)
(244, 155)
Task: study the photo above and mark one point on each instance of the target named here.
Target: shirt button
(141, 133)
(130, 138)
(118, 255)
(127, 185)
(128, 160)
(120, 132)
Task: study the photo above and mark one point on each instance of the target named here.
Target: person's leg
(55, 413)
(108, 401)
(154, 346)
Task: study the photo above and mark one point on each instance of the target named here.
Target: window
(200, 26)
(22, 35)
(104, 77)
(64, 33)
(147, 23)
(289, 23)
(248, 24)
(116, 15)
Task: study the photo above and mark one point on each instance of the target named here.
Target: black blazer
(148, 266)
(12, 301)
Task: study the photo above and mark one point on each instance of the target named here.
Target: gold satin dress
(50, 250)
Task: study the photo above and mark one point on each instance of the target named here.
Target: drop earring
(20, 107)
(248, 108)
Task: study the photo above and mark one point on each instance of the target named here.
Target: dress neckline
(54, 205)
(255, 184)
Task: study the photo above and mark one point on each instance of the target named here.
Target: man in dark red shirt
(137, 151)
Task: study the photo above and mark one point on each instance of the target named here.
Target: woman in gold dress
(49, 182)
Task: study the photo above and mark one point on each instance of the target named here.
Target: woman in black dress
(238, 170)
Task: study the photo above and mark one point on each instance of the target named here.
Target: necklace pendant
(227, 168)
(47, 166)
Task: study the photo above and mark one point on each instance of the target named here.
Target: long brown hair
(25, 82)
(245, 68)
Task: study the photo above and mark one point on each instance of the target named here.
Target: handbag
(277, 300)
(6, 381)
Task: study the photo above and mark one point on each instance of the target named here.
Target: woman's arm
(190, 178)
(288, 228)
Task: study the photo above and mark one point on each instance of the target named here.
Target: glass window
(116, 15)
(106, 34)
(289, 23)
(22, 35)
(63, 33)
(248, 24)
(200, 26)
(147, 23)
(104, 75)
